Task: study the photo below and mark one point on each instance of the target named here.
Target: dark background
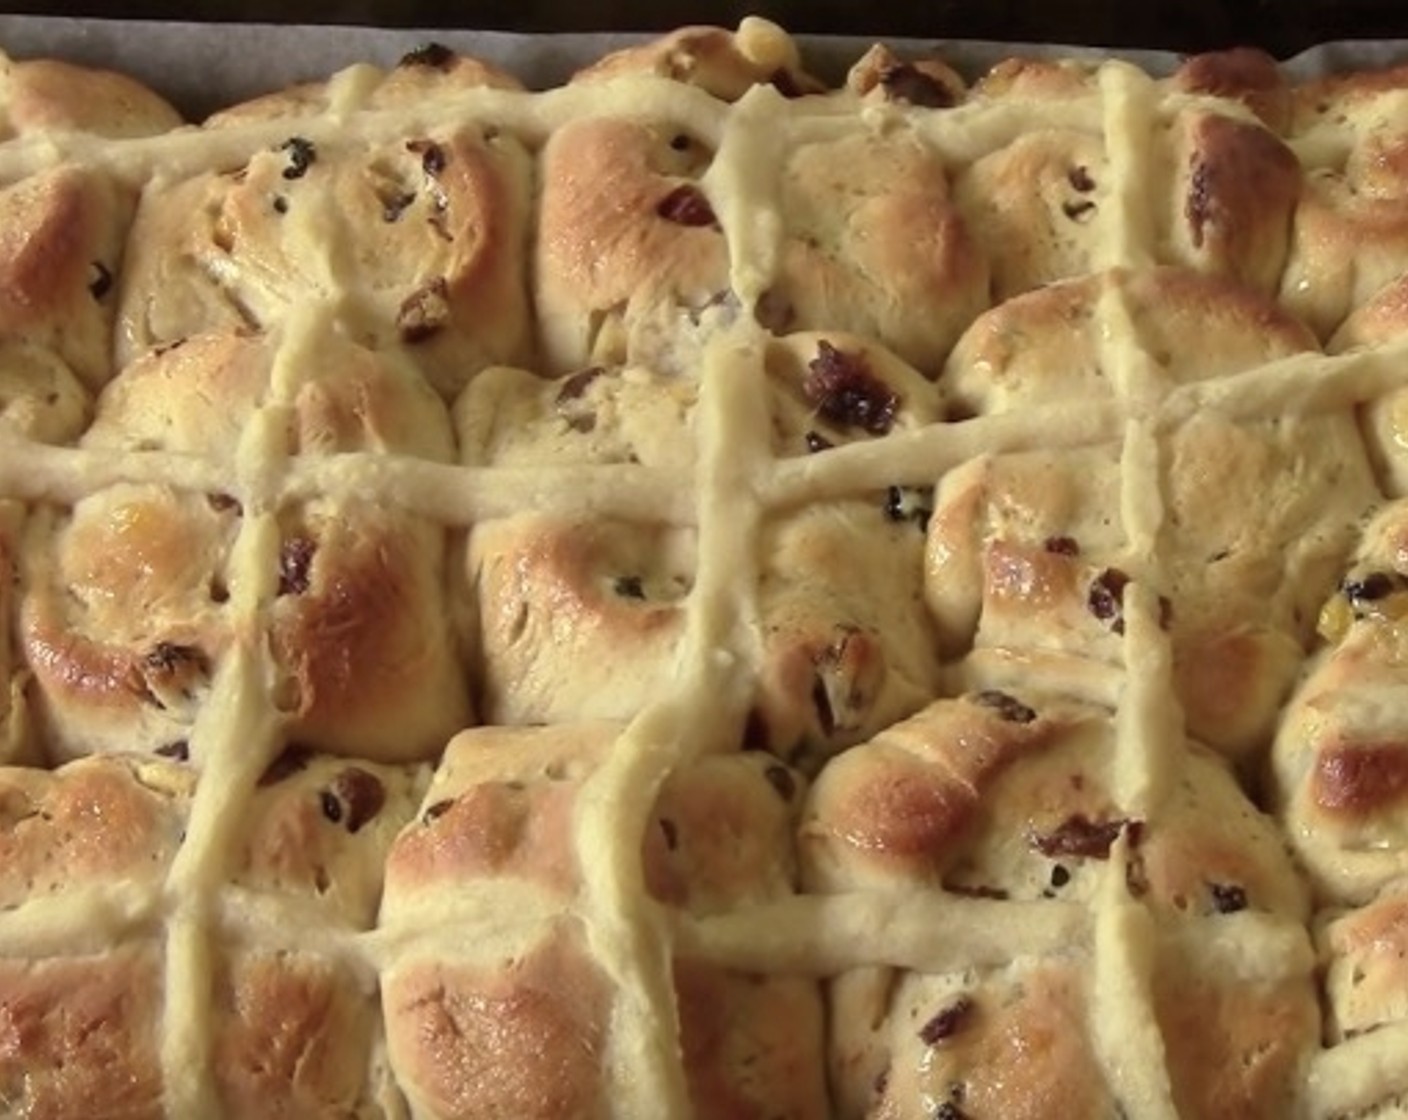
(1280, 26)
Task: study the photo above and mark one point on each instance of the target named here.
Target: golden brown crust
(1349, 238)
(1334, 98)
(1346, 245)
(632, 257)
(501, 813)
(123, 617)
(1006, 796)
(1016, 1047)
(78, 1036)
(503, 804)
(884, 809)
(721, 840)
(90, 823)
(1027, 550)
(50, 95)
(1245, 74)
(1339, 759)
(1236, 189)
(1034, 208)
(1030, 549)
(293, 1038)
(1360, 779)
(60, 250)
(722, 834)
(1364, 951)
(597, 414)
(368, 665)
(1343, 785)
(492, 829)
(627, 243)
(521, 1039)
(500, 805)
(1040, 207)
(196, 397)
(765, 472)
(751, 1044)
(577, 620)
(319, 828)
(990, 792)
(1235, 1047)
(291, 1032)
(429, 72)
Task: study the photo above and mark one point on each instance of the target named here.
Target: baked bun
(1383, 418)
(429, 71)
(1337, 759)
(418, 241)
(578, 619)
(1244, 74)
(1348, 239)
(59, 253)
(632, 257)
(48, 95)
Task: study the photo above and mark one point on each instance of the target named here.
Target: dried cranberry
(1007, 707)
(947, 1022)
(686, 206)
(1106, 598)
(1079, 836)
(845, 392)
(295, 558)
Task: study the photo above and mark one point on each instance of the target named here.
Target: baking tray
(1283, 27)
(199, 67)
